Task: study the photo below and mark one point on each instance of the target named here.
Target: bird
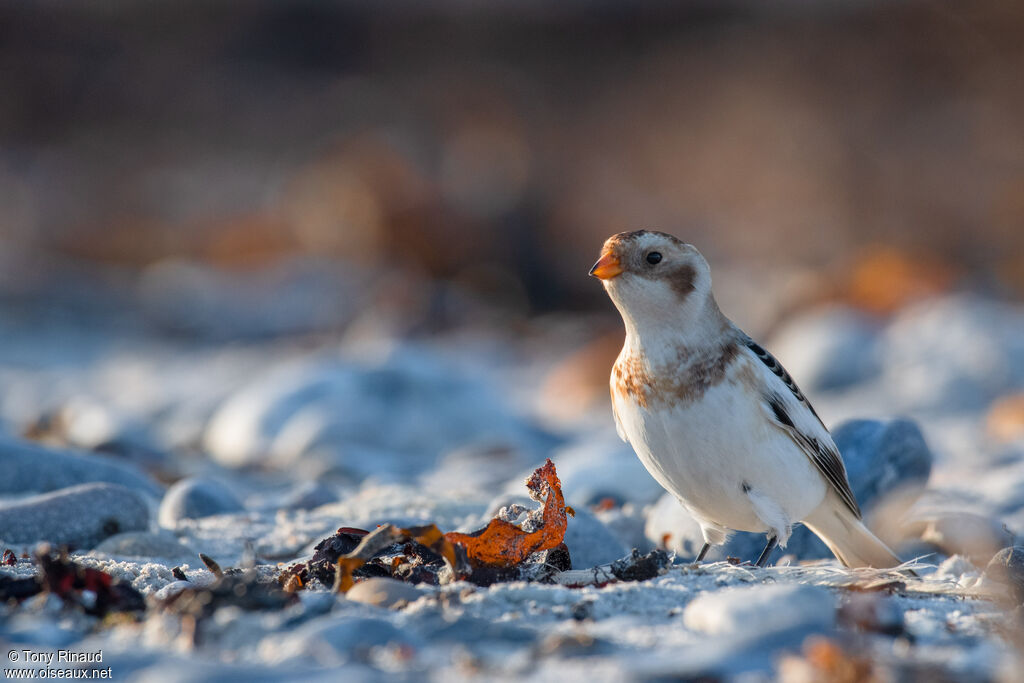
(714, 417)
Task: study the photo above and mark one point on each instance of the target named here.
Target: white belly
(717, 453)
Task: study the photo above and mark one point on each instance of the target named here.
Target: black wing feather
(776, 367)
(824, 455)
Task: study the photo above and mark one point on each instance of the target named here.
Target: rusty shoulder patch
(685, 381)
(630, 379)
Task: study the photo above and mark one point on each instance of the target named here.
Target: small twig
(211, 565)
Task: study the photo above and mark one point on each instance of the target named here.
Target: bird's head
(653, 278)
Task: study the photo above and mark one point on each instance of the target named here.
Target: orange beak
(607, 266)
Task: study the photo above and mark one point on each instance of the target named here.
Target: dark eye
(654, 258)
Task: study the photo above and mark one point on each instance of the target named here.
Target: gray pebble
(1007, 568)
(829, 348)
(142, 544)
(590, 542)
(881, 456)
(80, 516)
(331, 640)
(194, 498)
(29, 468)
(308, 495)
(384, 592)
(759, 609)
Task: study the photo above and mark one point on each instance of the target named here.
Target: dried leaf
(501, 544)
(212, 565)
(377, 540)
(418, 554)
(95, 591)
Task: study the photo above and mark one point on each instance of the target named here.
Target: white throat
(664, 333)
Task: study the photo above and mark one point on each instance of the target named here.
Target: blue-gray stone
(590, 542)
(1007, 568)
(332, 640)
(31, 468)
(79, 517)
(308, 495)
(194, 498)
(142, 544)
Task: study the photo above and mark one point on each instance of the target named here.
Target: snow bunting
(713, 416)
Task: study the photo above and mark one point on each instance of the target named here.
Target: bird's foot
(700, 556)
(766, 553)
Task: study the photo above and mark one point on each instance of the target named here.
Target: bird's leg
(763, 559)
(702, 553)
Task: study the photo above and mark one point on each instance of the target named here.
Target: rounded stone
(79, 517)
(759, 609)
(31, 468)
(142, 544)
(1007, 568)
(384, 592)
(194, 498)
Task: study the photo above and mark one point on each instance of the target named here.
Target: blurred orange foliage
(884, 279)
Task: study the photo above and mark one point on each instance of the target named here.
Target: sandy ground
(276, 439)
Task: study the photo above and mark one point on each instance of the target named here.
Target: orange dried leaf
(343, 580)
(432, 538)
(501, 544)
(293, 584)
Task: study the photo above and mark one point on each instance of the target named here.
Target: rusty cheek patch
(682, 279)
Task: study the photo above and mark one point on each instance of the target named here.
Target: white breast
(722, 458)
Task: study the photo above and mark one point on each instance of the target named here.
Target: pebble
(828, 348)
(1007, 568)
(79, 516)
(964, 533)
(307, 495)
(384, 592)
(882, 456)
(31, 468)
(194, 498)
(670, 526)
(590, 542)
(332, 640)
(331, 411)
(143, 544)
(760, 609)
(953, 353)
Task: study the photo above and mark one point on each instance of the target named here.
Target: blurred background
(495, 145)
(217, 175)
